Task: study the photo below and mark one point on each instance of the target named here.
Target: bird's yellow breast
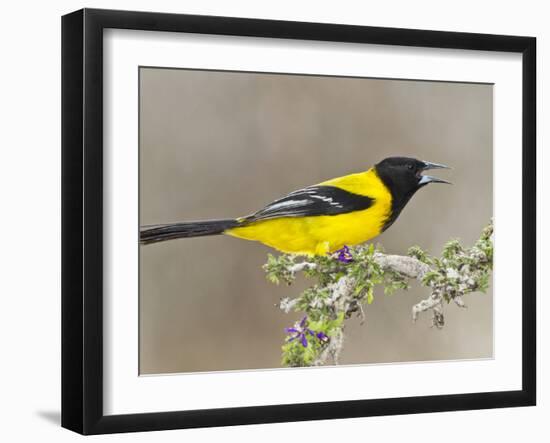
(321, 234)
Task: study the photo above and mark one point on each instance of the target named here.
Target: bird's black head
(403, 177)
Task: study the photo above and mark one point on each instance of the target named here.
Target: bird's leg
(344, 254)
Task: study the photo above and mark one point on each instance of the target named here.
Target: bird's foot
(344, 255)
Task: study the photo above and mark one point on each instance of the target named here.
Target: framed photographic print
(269, 221)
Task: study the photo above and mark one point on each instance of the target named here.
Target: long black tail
(171, 231)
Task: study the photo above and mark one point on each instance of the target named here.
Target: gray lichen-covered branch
(344, 286)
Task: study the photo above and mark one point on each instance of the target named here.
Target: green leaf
(370, 295)
(359, 288)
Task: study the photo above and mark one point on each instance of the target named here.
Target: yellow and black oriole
(322, 218)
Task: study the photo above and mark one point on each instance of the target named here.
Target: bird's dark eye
(411, 167)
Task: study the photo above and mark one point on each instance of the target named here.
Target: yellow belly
(317, 235)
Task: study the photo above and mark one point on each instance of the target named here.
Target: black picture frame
(82, 220)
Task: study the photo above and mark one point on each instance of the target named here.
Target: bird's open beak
(425, 179)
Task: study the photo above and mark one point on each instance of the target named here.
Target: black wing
(314, 200)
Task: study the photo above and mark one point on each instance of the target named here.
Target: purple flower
(300, 332)
(322, 336)
(344, 255)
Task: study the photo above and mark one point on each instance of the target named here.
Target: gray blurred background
(223, 144)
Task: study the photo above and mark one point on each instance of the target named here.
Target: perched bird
(322, 218)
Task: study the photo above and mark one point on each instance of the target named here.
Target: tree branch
(344, 286)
